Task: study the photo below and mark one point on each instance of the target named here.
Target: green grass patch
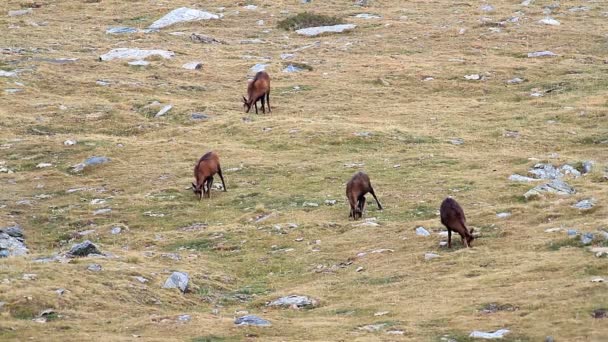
(567, 242)
(306, 19)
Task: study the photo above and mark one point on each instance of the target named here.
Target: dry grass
(233, 263)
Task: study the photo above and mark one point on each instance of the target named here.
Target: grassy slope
(410, 119)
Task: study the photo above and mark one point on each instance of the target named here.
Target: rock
(85, 232)
(258, 67)
(193, 66)
(515, 80)
(297, 300)
(139, 63)
(141, 279)
(599, 313)
(359, 269)
(370, 222)
(69, 142)
(587, 238)
(292, 68)
(541, 54)
(182, 14)
(527, 2)
(60, 291)
(549, 21)
(11, 245)
(556, 186)
(503, 215)
(381, 313)
(252, 320)
(549, 339)
(138, 54)
(91, 161)
(315, 31)
(4, 73)
(572, 232)
(14, 231)
(456, 141)
(587, 166)
(116, 230)
(443, 243)
(361, 3)
(102, 211)
(30, 276)
(489, 335)
(199, 116)
(420, 231)
(430, 256)
(545, 171)
(250, 7)
(330, 202)
(578, 9)
(487, 8)
(83, 249)
(367, 16)
(520, 178)
(200, 38)
(373, 327)
(103, 83)
(56, 60)
(570, 170)
(287, 56)
(597, 280)
(18, 13)
(310, 204)
(177, 280)
(395, 332)
(473, 77)
(585, 204)
(184, 318)
(121, 30)
(94, 268)
(163, 111)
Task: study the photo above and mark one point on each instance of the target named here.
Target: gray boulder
(537, 54)
(420, 231)
(94, 268)
(252, 320)
(92, 161)
(180, 15)
(315, 31)
(83, 249)
(121, 30)
(137, 54)
(556, 186)
(289, 301)
(11, 245)
(587, 238)
(177, 280)
(585, 204)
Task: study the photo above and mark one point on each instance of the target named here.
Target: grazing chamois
(205, 168)
(452, 217)
(356, 188)
(258, 89)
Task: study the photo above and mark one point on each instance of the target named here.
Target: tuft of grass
(306, 19)
(567, 242)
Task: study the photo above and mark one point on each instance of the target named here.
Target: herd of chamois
(258, 89)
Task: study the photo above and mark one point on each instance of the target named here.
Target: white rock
(139, 63)
(541, 54)
(474, 77)
(163, 111)
(182, 14)
(520, 178)
(597, 280)
(260, 22)
(430, 256)
(193, 65)
(69, 142)
(139, 54)
(489, 335)
(367, 16)
(43, 165)
(250, 7)
(17, 13)
(549, 21)
(315, 31)
(503, 215)
(7, 73)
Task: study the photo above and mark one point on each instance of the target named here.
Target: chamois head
(246, 105)
(470, 236)
(198, 190)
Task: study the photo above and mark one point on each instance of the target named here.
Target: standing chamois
(207, 166)
(356, 188)
(258, 89)
(452, 217)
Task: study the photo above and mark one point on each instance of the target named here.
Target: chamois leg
(209, 185)
(465, 242)
(449, 238)
(353, 204)
(255, 103)
(371, 191)
(268, 101)
(263, 104)
(219, 172)
(361, 206)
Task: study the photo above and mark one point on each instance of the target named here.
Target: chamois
(205, 168)
(452, 217)
(258, 89)
(356, 188)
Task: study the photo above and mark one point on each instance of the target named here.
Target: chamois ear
(472, 230)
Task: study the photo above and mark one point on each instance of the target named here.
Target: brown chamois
(205, 168)
(452, 217)
(258, 89)
(356, 188)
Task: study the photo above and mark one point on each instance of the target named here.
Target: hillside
(430, 98)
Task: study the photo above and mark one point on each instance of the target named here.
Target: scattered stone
(252, 320)
(515, 80)
(102, 211)
(587, 238)
(556, 186)
(503, 215)
(354, 165)
(199, 116)
(121, 30)
(420, 231)
(44, 316)
(193, 66)
(287, 56)
(12, 243)
(597, 280)
(369, 222)
(69, 142)
(541, 54)
(56, 60)
(94, 268)
(578, 9)
(599, 313)
(258, 67)
(359, 269)
(250, 7)
(182, 14)
(315, 31)
(251, 41)
(200, 38)
(527, 2)
(367, 16)
(572, 232)
(297, 300)
(102, 83)
(520, 178)
(116, 230)
(373, 327)
(184, 318)
(495, 307)
(487, 8)
(163, 111)
(14, 231)
(139, 63)
(60, 291)
(177, 280)
(489, 335)
(549, 21)
(585, 204)
(395, 332)
(85, 232)
(430, 256)
(456, 141)
(18, 13)
(587, 166)
(138, 54)
(30, 276)
(310, 204)
(7, 73)
(83, 249)
(293, 68)
(92, 161)
(381, 313)
(473, 77)
(141, 279)
(443, 243)
(194, 227)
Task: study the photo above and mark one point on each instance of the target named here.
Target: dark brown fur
(356, 188)
(204, 170)
(258, 90)
(452, 217)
